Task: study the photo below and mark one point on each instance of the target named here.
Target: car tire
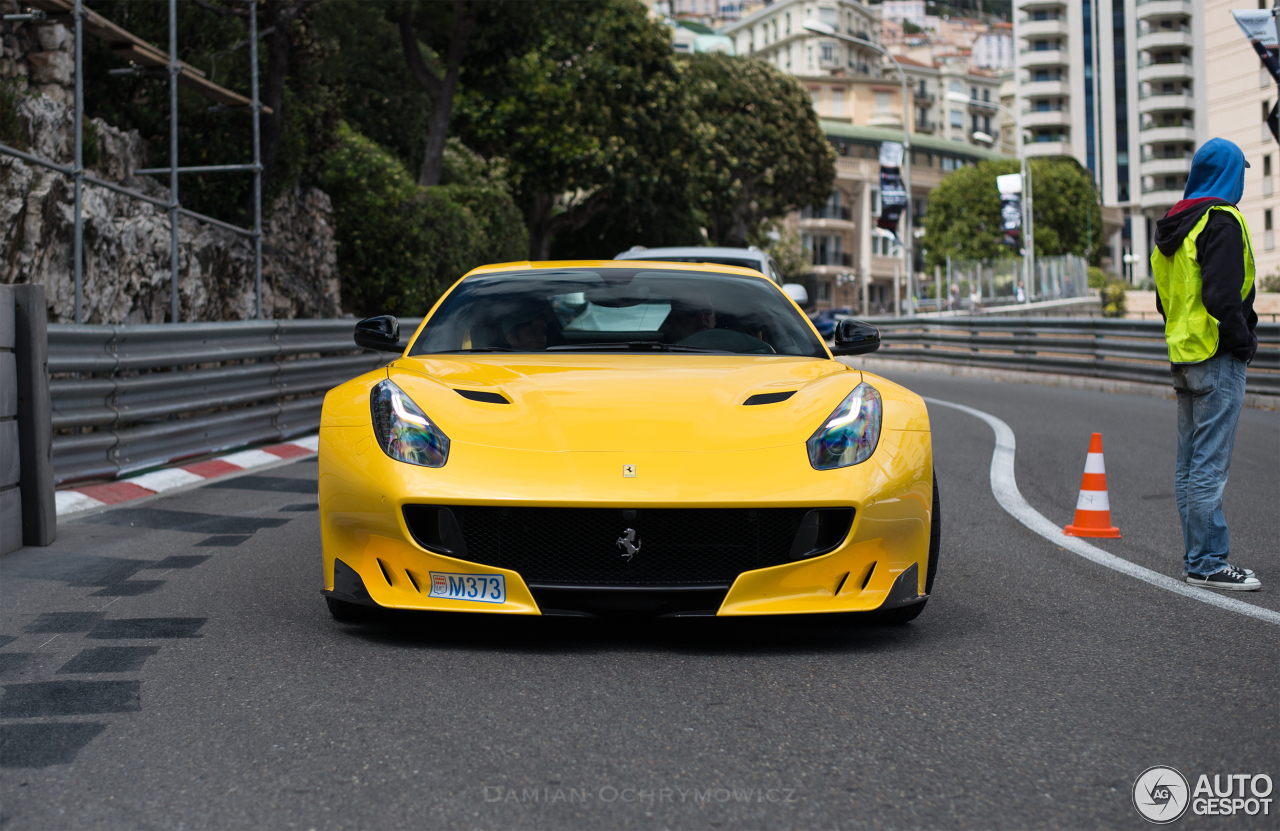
(346, 612)
(906, 614)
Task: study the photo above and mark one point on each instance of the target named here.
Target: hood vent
(486, 397)
(768, 398)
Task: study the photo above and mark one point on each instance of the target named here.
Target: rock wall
(126, 241)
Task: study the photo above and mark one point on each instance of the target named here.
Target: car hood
(625, 402)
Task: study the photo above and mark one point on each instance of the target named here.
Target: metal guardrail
(125, 398)
(1127, 350)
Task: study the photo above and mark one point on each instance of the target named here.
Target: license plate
(478, 588)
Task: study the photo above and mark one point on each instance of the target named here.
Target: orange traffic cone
(1093, 510)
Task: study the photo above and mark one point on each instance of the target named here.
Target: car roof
(657, 265)
(693, 251)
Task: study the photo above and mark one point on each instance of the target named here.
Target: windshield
(617, 309)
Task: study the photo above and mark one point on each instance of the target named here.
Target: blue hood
(1217, 171)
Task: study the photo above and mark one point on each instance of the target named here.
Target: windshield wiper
(630, 345)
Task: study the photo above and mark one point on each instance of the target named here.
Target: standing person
(1203, 267)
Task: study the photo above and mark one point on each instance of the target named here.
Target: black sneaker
(1228, 578)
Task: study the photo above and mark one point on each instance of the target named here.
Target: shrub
(1270, 282)
(401, 245)
(1113, 298)
(1097, 277)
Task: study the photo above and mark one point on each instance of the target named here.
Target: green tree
(762, 152)
(964, 212)
(400, 245)
(592, 118)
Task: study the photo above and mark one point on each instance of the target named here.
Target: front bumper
(881, 562)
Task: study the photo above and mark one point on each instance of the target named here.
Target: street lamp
(1028, 220)
(820, 28)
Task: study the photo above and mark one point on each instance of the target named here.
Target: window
(973, 93)
(1268, 233)
(788, 22)
(828, 52)
(955, 86)
(1041, 46)
(1047, 75)
(1171, 183)
(824, 290)
(828, 16)
(883, 103)
(837, 101)
(816, 94)
(948, 163)
(1266, 220)
(986, 124)
(957, 119)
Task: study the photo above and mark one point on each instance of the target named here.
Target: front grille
(578, 546)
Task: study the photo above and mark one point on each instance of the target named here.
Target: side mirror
(381, 333)
(796, 292)
(853, 337)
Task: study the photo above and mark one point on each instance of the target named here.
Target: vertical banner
(893, 195)
(1010, 187)
(1260, 28)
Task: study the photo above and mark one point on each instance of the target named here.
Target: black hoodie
(1220, 252)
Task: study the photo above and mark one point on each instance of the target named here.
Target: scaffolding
(143, 56)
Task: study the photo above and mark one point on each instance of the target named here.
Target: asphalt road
(170, 664)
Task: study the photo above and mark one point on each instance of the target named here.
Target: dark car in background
(825, 321)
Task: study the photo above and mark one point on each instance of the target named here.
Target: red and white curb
(76, 500)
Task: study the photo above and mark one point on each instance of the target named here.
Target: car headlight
(403, 431)
(851, 433)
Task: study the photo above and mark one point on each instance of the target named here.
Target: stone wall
(126, 241)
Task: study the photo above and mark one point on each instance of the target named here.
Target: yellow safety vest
(1189, 329)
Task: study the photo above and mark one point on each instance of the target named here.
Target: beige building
(859, 100)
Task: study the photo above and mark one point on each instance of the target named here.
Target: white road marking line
(250, 458)
(46, 643)
(165, 480)
(70, 502)
(1005, 489)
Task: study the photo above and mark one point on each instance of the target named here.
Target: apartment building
(859, 102)
(1239, 92)
(1130, 89)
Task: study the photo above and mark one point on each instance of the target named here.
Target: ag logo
(1161, 794)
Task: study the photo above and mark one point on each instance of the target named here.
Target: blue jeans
(1210, 395)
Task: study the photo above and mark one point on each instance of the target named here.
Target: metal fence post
(78, 170)
(174, 68)
(257, 157)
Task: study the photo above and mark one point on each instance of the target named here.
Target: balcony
(838, 212)
(1046, 118)
(835, 258)
(1168, 133)
(1176, 70)
(1153, 166)
(1047, 148)
(1166, 39)
(1147, 9)
(885, 120)
(1158, 196)
(1164, 102)
(922, 97)
(924, 125)
(1043, 89)
(1029, 58)
(983, 106)
(1028, 28)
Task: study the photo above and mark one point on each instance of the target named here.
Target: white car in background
(750, 257)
